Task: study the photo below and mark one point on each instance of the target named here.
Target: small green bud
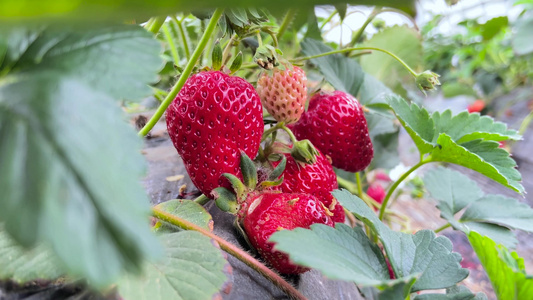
(266, 57)
(237, 63)
(304, 151)
(427, 80)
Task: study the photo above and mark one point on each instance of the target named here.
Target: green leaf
(341, 9)
(22, 265)
(458, 292)
(71, 166)
(499, 234)
(398, 289)
(493, 26)
(452, 187)
(464, 139)
(313, 31)
(404, 42)
(188, 210)
(504, 269)
(385, 151)
(373, 92)
(500, 210)
(452, 89)
(422, 253)
(193, 268)
(523, 35)
(342, 73)
(342, 252)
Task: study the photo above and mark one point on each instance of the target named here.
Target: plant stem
(270, 130)
(525, 123)
(225, 54)
(156, 24)
(286, 22)
(289, 132)
(184, 36)
(353, 49)
(171, 44)
(202, 199)
(326, 21)
(442, 227)
(184, 75)
(352, 188)
(359, 33)
(359, 185)
(233, 250)
(149, 23)
(396, 184)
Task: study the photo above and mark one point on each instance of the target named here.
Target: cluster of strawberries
(216, 124)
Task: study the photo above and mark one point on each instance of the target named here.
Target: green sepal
(240, 230)
(236, 64)
(225, 200)
(270, 183)
(266, 57)
(278, 170)
(305, 152)
(249, 171)
(216, 56)
(427, 80)
(238, 186)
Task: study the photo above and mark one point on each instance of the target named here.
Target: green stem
(183, 37)
(156, 24)
(328, 19)
(289, 132)
(225, 54)
(185, 74)
(396, 184)
(171, 44)
(350, 186)
(525, 123)
(359, 33)
(202, 199)
(269, 131)
(359, 185)
(286, 22)
(233, 250)
(354, 49)
(442, 227)
(149, 23)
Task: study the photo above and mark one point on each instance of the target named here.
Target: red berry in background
(376, 192)
(476, 106)
(335, 123)
(317, 179)
(213, 117)
(269, 212)
(380, 175)
(283, 93)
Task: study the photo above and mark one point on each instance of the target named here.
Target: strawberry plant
(279, 130)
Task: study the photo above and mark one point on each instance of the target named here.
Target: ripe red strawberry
(476, 106)
(317, 179)
(336, 125)
(376, 192)
(213, 117)
(269, 212)
(283, 93)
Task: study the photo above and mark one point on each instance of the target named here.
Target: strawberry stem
(359, 184)
(179, 24)
(171, 44)
(359, 33)
(396, 184)
(233, 250)
(184, 75)
(442, 227)
(286, 22)
(202, 199)
(156, 24)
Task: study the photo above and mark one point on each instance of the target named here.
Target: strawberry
(283, 93)
(476, 106)
(376, 192)
(269, 212)
(317, 179)
(336, 125)
(213, 117)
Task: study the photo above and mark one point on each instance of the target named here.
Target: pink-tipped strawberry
(270, 212)
(376, 192)
(317, 179)
(212, 119)
(336, 125)
(283, 93)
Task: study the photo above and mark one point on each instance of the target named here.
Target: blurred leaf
(373, 92)
(313, 31)
(385, 151)
(22, 265)
(188, 210)
(342, 73)
(193, 268)
(404, 42)
(505, 270)
(98, 10)
(458, 292)
(71, 166)
(341, 9)
(493, 26)
(452, 89)
(422, 253)
(379, 123)
(523, 36)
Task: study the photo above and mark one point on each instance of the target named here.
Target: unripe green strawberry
(283, 93)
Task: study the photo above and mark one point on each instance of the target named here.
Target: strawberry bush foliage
(270, 120)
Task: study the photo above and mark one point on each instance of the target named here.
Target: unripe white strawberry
(283, 93)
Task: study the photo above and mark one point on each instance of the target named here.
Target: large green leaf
(342, 73)
(22, 265)
(192, 269)
(112, 10)
(493, 26)
(373, 92)
(458, 292)
(188, 210)
(464, 139)
(71, 166)
(342, 252)
(404, 42)
(422, 253)
(504, 269)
